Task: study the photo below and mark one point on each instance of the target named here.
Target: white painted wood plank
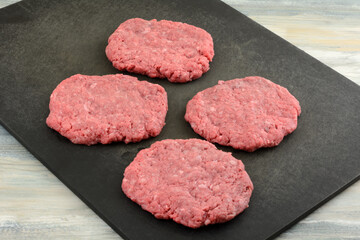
(36, 205)
(327, 30)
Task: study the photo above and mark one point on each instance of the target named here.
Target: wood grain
(36, 205)
(327, 30)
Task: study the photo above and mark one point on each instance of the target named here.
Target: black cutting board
(44, 42)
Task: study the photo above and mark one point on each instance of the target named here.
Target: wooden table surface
(34, 204)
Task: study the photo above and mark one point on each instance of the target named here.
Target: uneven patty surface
(189, 181)
(177, 51)
(246, 114)
(103, 109)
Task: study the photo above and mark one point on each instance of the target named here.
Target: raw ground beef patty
(92, 109)
(189, 181)
(247, 113)
(177, 51)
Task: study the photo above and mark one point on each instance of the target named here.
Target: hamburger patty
(104, 109)
(164, 49)
(246, 114)
(189, 181)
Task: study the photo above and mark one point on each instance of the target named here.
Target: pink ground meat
(164, 49)
(189, 181)
(104, 109)
(246, 114)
